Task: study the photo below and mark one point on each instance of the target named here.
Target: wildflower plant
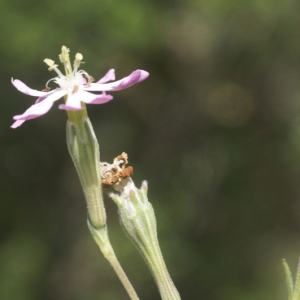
(137, 217)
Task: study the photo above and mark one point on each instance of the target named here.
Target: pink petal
(35, 111)
(40, 108)
(22, 87)
(48, 94)
(133, 78)
(90, 98)
(109, 76)
(17, 123)
(73, 102)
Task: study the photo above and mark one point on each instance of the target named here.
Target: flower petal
(35, 111)
(38, 109)
(48, 94)
(109, 76)
(73, 102)
(17, 123)
(133, 78)
(22, 87)
(90, 98)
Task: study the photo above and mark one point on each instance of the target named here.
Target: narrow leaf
(297, 284)
(289, 280)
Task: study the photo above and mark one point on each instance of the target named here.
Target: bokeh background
(215, 130)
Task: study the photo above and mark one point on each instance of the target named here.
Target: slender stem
(100, 235)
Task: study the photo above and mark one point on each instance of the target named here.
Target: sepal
(84, 150)
(138, 220)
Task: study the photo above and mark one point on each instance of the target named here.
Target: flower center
(70, 83)
(73, 80)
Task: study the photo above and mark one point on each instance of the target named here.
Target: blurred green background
(215, 130)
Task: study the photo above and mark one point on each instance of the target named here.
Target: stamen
(52, 79)
(78, 59)
(64, 56)
(65, 59)
(50, 63)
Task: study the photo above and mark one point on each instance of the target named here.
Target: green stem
(100, 235)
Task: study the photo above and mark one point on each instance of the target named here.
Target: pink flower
(76, 87)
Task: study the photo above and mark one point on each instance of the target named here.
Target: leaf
(297, 283)
(289, 279)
